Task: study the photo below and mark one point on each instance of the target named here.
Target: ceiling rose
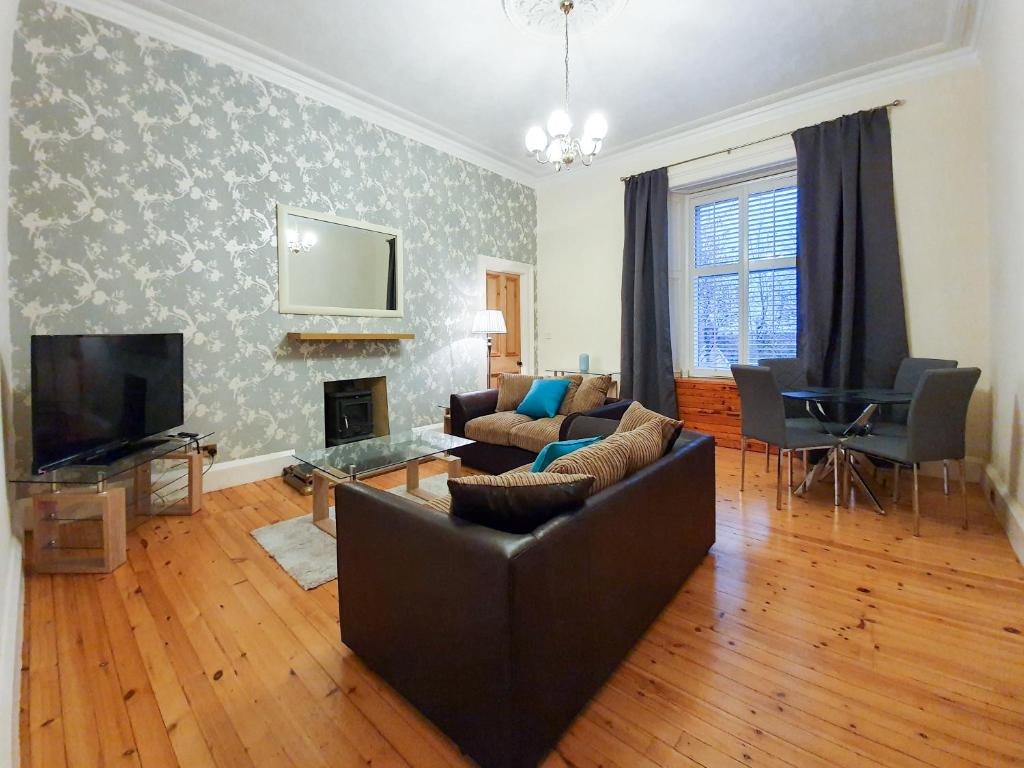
(545, 18)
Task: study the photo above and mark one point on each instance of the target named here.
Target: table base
(323, 483)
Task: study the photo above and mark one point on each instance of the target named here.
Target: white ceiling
(461, 69)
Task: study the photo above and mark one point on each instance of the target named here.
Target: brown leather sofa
(495, 458)
(501, 639)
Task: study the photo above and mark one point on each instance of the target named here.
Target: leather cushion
(534, 435)
(495, 428)
(517, 502)
(512, 388)
(607, 461)
(591, 394)
(636, 416)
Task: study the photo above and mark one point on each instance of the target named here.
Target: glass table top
(565, 371)
(91, 473)
(353, 459)
(867, 395)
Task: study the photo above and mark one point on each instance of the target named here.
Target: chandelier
(556, 145)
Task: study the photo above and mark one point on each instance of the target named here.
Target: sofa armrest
(612, 409)
(590, 426)
(424, 603)
(470, 405)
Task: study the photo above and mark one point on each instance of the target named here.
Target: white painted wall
(11, 582)
(1003, 60)
(939, 171)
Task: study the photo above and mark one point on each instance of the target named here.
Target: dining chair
(895, 422)
(763, 417)
(936, 429)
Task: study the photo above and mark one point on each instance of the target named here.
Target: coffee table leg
(322, 484)
(412, 476)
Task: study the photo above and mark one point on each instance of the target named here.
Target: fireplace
(355, 409)
(348, 416)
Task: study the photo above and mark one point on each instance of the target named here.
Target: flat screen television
(95, 395)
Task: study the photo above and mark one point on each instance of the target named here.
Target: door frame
(527, 308)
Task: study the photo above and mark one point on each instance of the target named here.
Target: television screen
(92, 393)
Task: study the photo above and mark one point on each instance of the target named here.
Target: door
(506, 348)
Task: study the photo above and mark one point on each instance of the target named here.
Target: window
(741, 273)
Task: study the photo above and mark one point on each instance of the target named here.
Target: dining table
(832, 407)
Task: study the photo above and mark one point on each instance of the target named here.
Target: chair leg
(743, 460)
(804, 462)
(846, 480)
(789, 464)
(917, 506)
(895, 483)
(945, 477)
(962, 466)
(778, 481)
(837, 458)
(767, 457)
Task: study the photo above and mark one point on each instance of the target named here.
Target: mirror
(333, 266)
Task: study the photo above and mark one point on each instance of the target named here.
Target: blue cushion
(553, 451)
(544, 398)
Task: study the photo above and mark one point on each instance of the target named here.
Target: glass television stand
(81, 513)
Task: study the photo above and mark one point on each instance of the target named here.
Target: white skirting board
(1007, 509)
(249, 470)
(12, 618)
(242, 471)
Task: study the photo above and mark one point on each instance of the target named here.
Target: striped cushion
(636, 416)
(441, 504)
(534, 435)
(495, 428)
(608, 461)
(645, 445)
(512, 388)
(518, 470)
(574, 384)
(591, 394)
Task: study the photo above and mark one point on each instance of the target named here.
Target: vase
(584, 362)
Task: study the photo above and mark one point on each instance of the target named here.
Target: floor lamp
(489, 321)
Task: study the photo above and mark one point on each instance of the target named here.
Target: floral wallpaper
(144, 183)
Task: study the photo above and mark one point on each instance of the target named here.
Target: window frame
(686, 203)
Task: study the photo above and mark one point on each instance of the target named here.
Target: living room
(567, 393)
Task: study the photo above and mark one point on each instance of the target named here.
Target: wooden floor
(807, 638)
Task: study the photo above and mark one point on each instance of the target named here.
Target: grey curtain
(852, 322)
(646, 335)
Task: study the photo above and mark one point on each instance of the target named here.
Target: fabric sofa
(501, 639)
(506, 439)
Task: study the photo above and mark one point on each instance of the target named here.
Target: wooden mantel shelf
(307, 336)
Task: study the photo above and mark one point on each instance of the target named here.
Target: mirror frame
(287, 307)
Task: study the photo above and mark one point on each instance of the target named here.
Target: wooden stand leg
(322, 485)
(412, 476)
(142, 489)
(78, 532)
(195, 483)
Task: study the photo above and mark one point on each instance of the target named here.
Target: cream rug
(308, 554)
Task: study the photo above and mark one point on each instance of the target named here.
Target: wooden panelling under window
(712, 406)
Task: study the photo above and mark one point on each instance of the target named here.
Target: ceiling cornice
(184, 30)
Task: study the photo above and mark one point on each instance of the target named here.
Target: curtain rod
(894, 103)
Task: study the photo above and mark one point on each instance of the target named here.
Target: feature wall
(144, 183)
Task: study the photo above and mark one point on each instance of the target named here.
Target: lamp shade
(489, 321)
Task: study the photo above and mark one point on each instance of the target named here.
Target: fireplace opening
(355, 409)
(348, 416)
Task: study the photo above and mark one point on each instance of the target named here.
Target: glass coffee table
(351, 461)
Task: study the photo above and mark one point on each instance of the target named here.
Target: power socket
(210, 449)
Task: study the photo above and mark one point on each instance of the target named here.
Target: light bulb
(559, 123)
(596, 127)
(536, 139)
(293, 235)
(554, 151)
(308, 240)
